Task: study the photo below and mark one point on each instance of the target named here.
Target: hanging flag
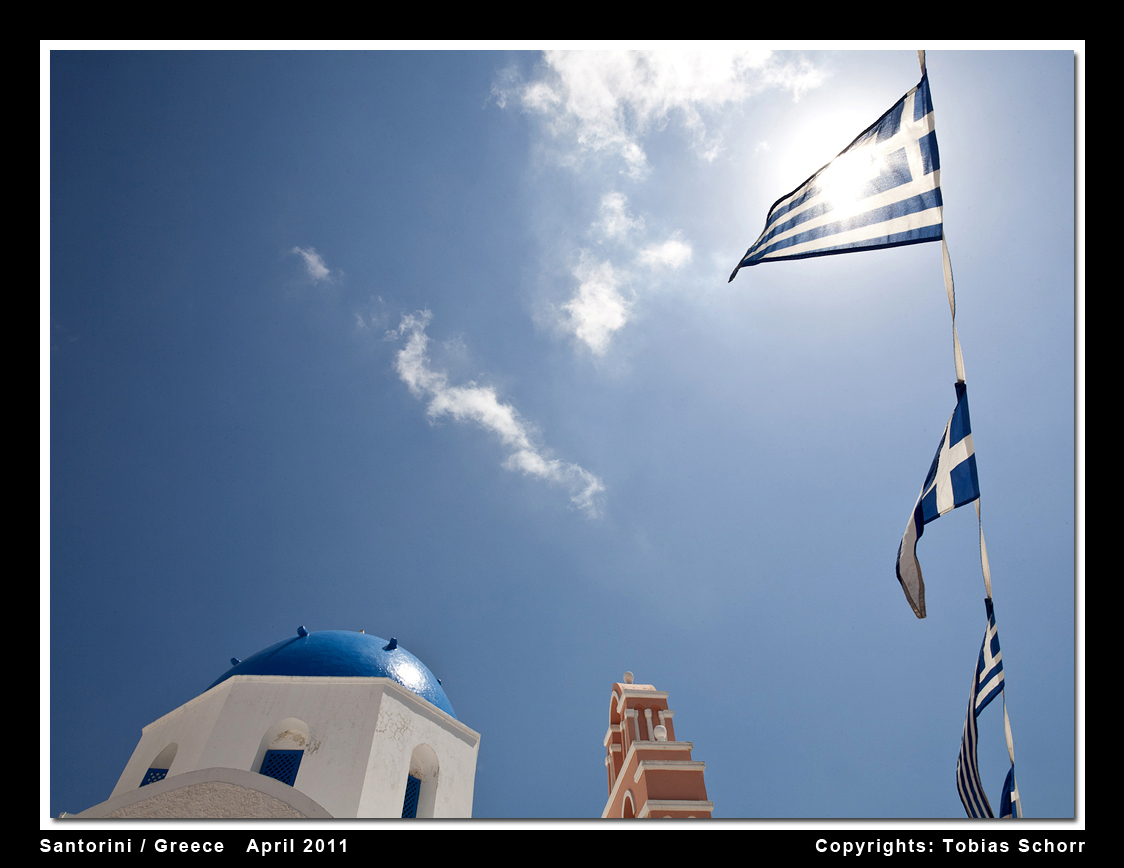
(1010, 805)
(1010, 808)
(883, 190)
(951, 482)
(987, 683)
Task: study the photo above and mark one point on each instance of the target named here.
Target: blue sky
(440, 345)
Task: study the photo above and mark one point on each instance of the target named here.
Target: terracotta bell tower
(650, 773)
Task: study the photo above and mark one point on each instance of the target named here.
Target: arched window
(282, 749)
(421, 783)
(158, 770)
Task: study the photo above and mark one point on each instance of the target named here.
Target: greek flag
(951, 482)
(883, 190)
(1010, 808)
(987, 683)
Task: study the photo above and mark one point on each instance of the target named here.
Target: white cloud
(599, 309)
(314, 263)
(603, 303)
(616, 222)
(479, 405)
(671, 254)
(606, 101)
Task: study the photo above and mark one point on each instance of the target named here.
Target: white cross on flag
(951, 482)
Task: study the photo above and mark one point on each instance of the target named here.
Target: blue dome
(342, 653)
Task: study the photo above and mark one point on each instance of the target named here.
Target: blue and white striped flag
(951, 482)
(1010, 807)
(883, 190)
(987, 683)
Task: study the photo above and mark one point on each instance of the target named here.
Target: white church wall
(447, 760)
(358, 737)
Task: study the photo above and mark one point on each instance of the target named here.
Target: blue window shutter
(153, 775)
(282, 765)
(410, 804)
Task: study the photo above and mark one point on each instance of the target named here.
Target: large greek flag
(884, 190)
(987, 683)
(952, 482)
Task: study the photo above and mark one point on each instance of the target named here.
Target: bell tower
(650, 774)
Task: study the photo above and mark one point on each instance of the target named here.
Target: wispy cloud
(314, 264)
(604, 300)
(479, 405)
(606, 101)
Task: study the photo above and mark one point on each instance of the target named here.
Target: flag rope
(1011, 802)
(950, 290)
(957, 357)
(983, 554)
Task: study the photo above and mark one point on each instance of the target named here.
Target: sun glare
(808, 143)
(843, 181)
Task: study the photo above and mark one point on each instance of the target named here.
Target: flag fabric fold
(987, 683)
(952, 481)
(882, 190)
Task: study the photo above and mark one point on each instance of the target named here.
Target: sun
(844, 182)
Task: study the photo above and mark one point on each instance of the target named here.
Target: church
(326, 724)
